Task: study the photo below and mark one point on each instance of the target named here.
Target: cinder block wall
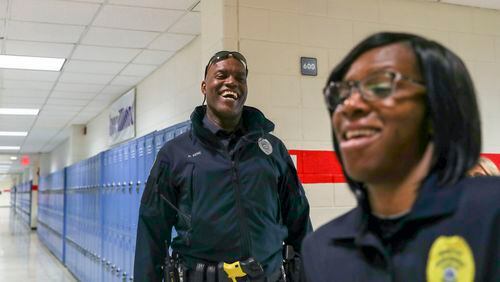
(273, 35)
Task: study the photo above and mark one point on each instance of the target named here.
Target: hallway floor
(23, 257)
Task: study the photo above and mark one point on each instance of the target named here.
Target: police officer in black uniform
(228, 186)
(406, 130)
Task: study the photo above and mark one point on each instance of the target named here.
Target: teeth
(230, 94)
(359, 133)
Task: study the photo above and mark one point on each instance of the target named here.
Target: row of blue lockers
(20, 199)
(88, 212)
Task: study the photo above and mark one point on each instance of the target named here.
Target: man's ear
(203, 87)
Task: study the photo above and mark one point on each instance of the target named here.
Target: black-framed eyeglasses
(376, 86)
(222, 55)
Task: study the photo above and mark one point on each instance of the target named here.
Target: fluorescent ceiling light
(13, 158)
(31, 63)
(13, 133)
(8, 111)
(12, 148)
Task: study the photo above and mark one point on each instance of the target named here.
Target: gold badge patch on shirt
(450, 260)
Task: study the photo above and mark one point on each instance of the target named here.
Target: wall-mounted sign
(122, 118)
(308, 66)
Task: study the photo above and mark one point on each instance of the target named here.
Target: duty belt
(247, 270)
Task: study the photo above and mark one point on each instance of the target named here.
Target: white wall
(57, 159)
(5, 184)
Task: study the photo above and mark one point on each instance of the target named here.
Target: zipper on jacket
(246, 244)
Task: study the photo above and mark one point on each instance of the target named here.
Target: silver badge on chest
(265, 146)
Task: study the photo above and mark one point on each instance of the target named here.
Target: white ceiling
(110, 46)
(488, 4)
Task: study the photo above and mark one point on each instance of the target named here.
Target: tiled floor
(23, 257)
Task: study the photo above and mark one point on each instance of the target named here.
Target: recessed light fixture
(13, 133)
(10, 148)
(13, 111)
(13, 158)
(31, 63)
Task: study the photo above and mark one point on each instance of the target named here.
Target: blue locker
(150, 154)
(131, 203)
(182, 127)
(169, 133)
(159, 140)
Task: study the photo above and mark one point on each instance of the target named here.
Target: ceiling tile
(89, 1)
(106, 99)
(135, 18)
(51, 11)
(78, 87)
(197, 7)
(51, 122)
(114, 90)
(12, 140)
(3, 8)
(118, 37)
(72, 95)
(171, 41)
(488, 4)
(138, 70)
(50, 76)
(96, 106)
(40, 49)
(24, 93)
(44, 32)
(82, 119)
(62, 101)
(22, 100)
(166, 4)
(56, 114)
(26, 84)
(96, 53)
(151, 57)
(126, 80)
(40, 132)
(29, 104)
(16, 123)
(93, 67)
(62, 108)
(190, 23)
(86, 78)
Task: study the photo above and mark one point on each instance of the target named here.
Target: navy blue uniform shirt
(451, 233)
(238, 194)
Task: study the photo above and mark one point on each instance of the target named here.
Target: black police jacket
(232, 206)
(451, 234)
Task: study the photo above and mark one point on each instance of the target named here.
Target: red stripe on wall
(318, 167)
(324, 167)
(34, 187)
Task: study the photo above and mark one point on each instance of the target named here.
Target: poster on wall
(122, 118)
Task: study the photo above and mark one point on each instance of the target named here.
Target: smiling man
(227, 185)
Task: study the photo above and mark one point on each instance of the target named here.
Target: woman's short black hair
(450, 100)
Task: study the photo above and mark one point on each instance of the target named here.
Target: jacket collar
(253, 120)
(433, 200)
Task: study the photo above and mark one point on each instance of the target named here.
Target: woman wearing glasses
(406, 130)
